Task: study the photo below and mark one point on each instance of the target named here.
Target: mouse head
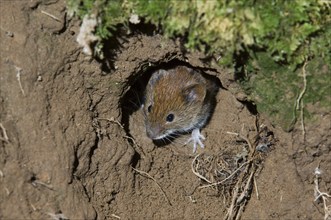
(173, 102)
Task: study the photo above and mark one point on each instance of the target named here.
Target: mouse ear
(193, 93)
(156, 76)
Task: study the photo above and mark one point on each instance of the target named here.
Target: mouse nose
(153, 132)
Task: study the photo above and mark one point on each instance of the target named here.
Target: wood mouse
(178, 100)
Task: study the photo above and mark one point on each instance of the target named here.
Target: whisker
(178, 142)
(128, 108)
(167, 139)
(176, 139)
(135, 104)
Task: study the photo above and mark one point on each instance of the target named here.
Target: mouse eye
(149, 108)
(170, 117)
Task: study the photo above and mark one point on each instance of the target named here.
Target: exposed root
(323, 196)
(244, 138)
(299, 101)
(194, 169)
(234, 174)
(112, 120)
(227, 178)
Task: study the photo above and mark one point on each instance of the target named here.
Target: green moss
(275, 88)
(288, 32)
(318, 85)
(283, 28)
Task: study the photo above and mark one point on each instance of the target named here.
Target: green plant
(284, 29)
(278, 35)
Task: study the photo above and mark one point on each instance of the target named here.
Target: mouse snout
(153, 132)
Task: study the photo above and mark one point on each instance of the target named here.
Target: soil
(73, 147)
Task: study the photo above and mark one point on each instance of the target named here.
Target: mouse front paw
(196, 138)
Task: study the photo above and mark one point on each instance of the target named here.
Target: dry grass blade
(149, 176)
(322, 195)
(4, 134)
(196, 168)
(234, 172)
(227, 178)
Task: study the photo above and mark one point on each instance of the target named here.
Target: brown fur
(181, 92)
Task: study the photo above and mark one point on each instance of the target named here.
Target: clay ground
(71, 146)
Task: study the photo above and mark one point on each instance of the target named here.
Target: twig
(58, 216)
(304, 86)
(256, 189)
(33, 207)
(7, 191)
(240, 195)
(240, 211)
(244, 193)
(237, 202)
(149, 176)
(115, 216)
(196, 173)
(18, 76)
(4, 133)
(245, 139)
(323, 195)
(37, 182)
(192, 200)
(214, 184)
(229, 214)
(132, 139)
(249, 144)
(233, 133)
(112, 120)
(299, 102)
(50, 15)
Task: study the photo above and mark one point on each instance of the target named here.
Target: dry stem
(245, 139)
(115, 216)
(244, 183)
(256, 189)
(58, 216)
(299, 102)
(220, 182)
(240, 199)
(50, 15)
(4, 134)
(112, 120)
(18, 76)
(196, 173)
(37, 182)
(324, 196)
(149, 176)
